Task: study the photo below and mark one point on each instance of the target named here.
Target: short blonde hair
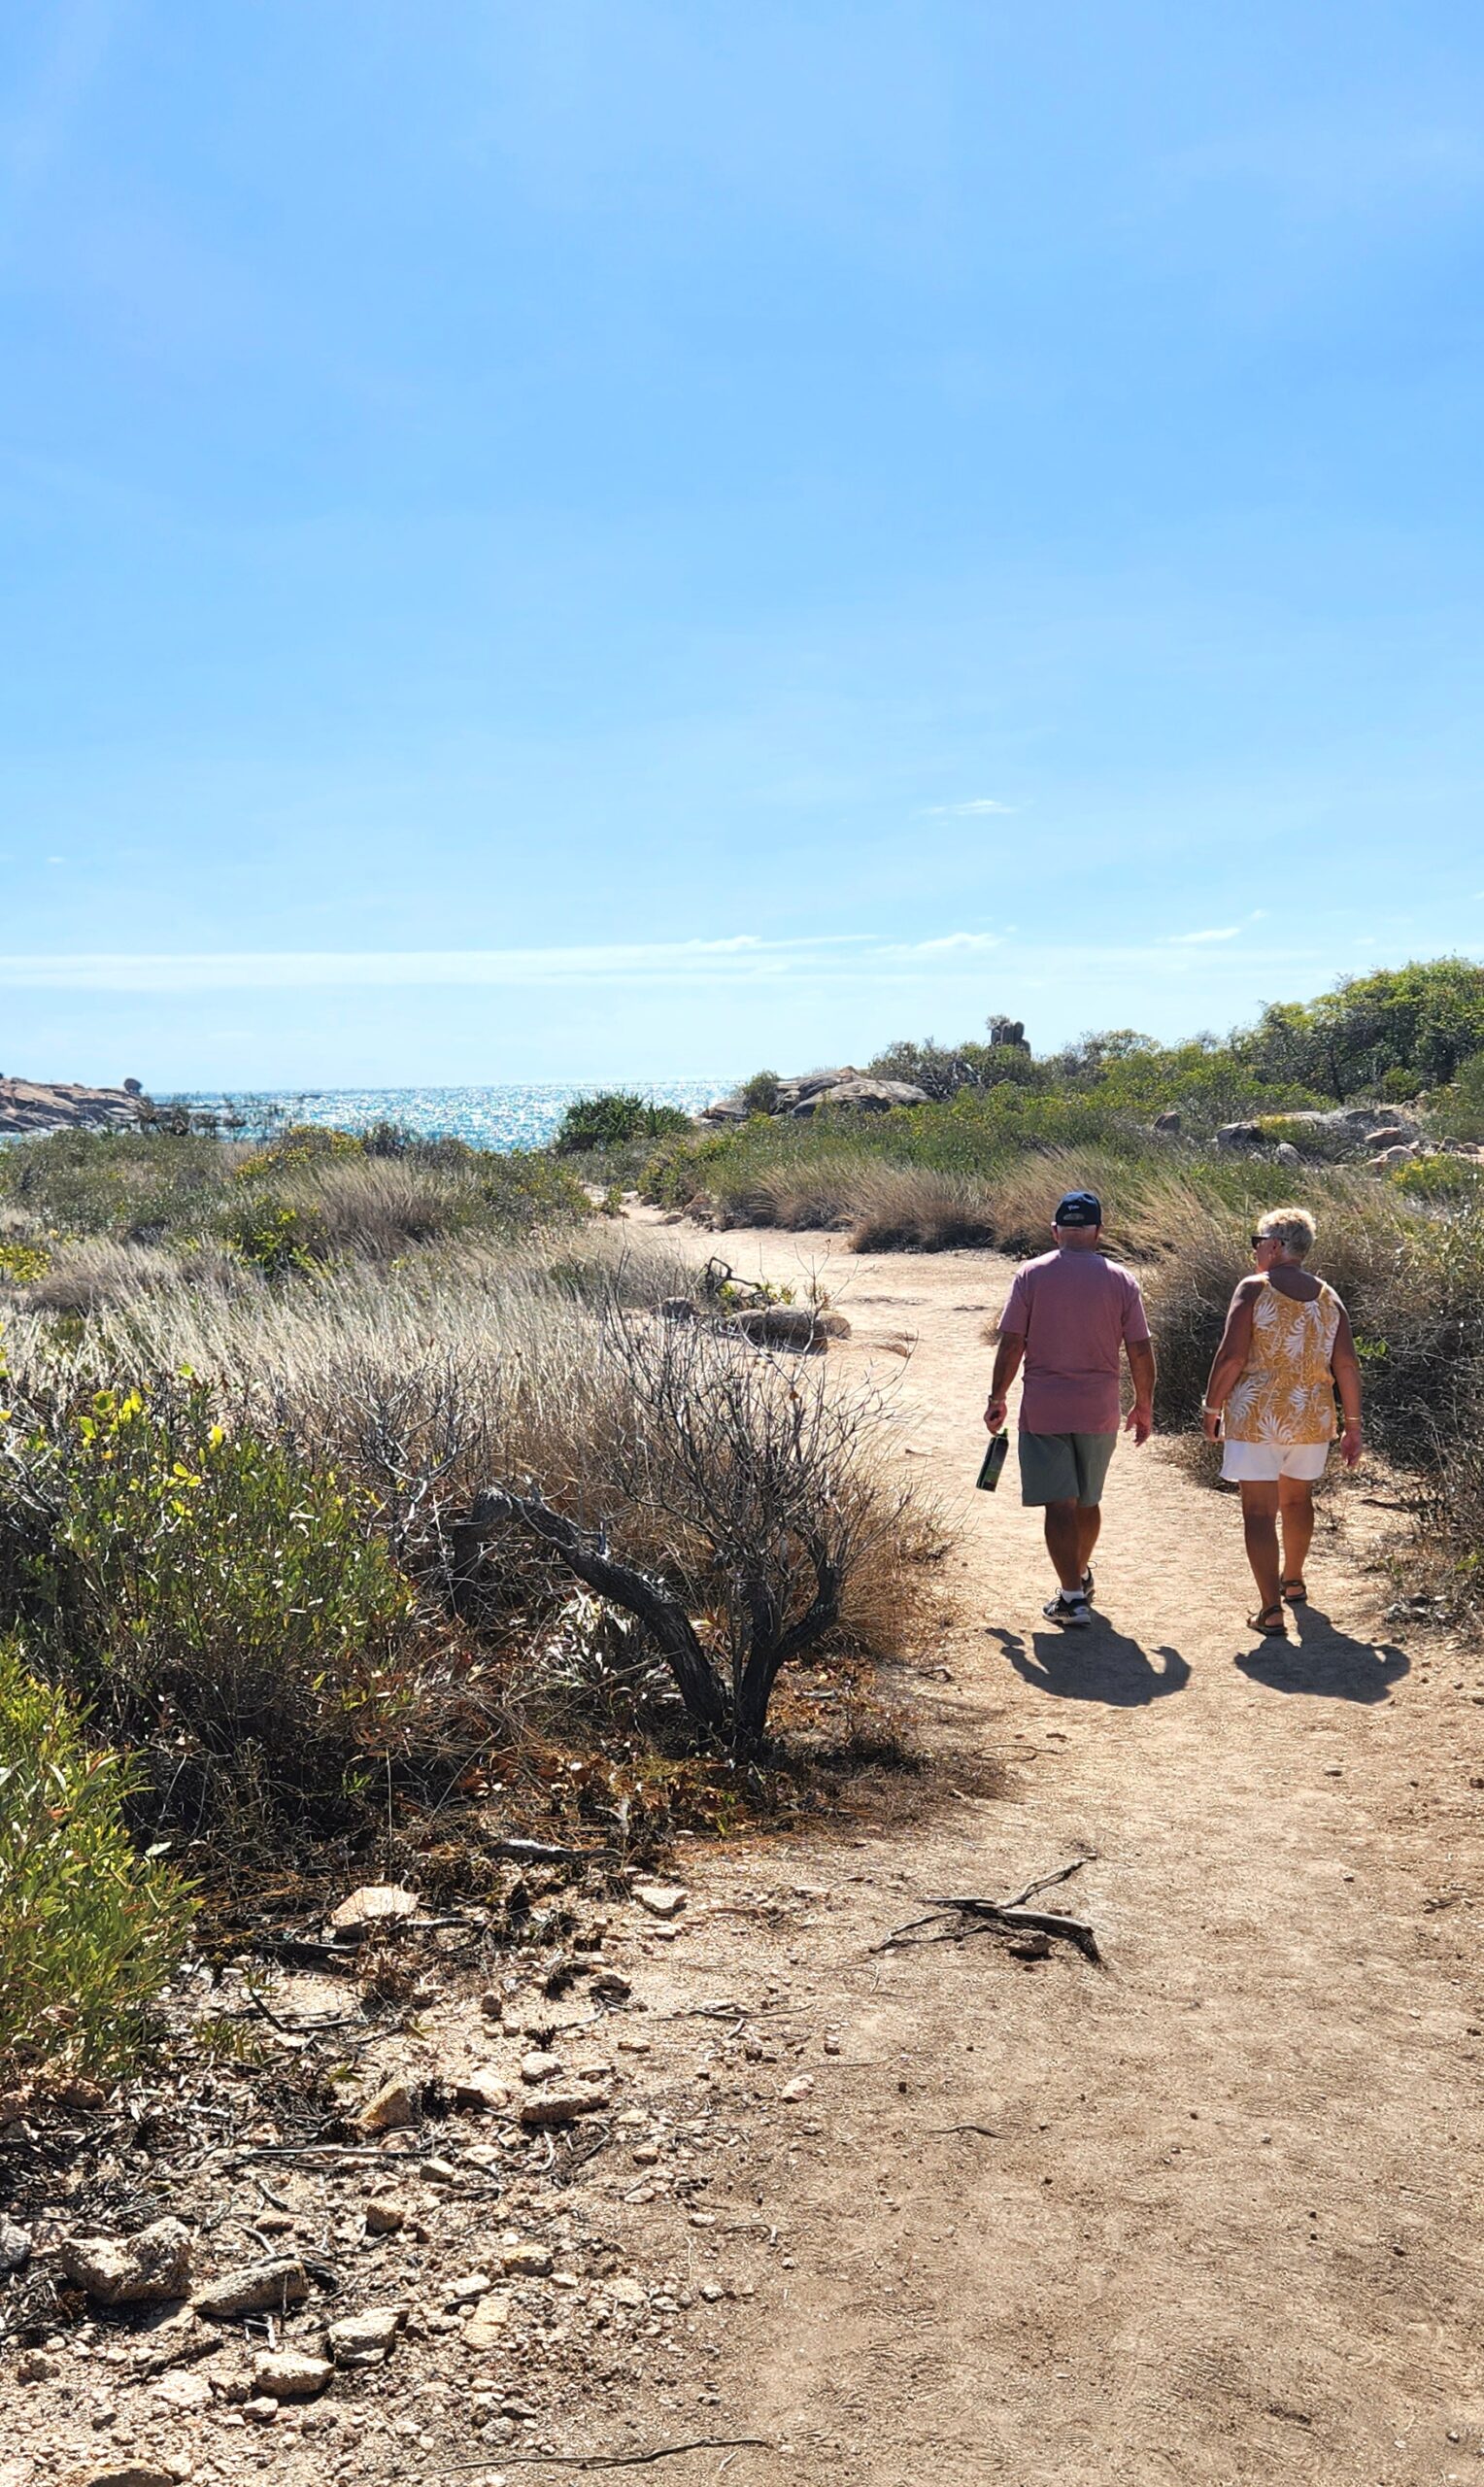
(1293, 1227)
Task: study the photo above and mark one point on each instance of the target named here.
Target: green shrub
(612, 1117)
(525, 1191)
(88, 1930)
(1441, 1178)
(760, 1094)
(223, 1609)
(281, 1238)
(1458, 1111)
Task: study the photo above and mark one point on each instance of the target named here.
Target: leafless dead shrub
(734, 1503)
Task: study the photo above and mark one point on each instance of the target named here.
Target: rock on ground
(151, 2268)
(290, 2374)
(254, 2288)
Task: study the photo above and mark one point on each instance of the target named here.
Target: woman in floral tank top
(1286, 1350)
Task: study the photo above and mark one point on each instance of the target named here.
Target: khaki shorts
(1065, 1468)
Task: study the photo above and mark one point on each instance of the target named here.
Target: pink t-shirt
(1075, 1311)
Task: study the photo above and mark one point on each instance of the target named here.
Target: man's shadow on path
(1326, 1661)
(1097, 1664)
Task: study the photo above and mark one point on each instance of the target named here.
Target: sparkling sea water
(516, 1115)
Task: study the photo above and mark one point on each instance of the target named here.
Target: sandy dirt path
(1224, 2223)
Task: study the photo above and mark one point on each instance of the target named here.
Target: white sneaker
(1069, 1607)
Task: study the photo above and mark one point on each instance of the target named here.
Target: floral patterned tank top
(1286, 1395)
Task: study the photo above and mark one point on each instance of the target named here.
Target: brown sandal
(1270, 1631)
(1294, 1592)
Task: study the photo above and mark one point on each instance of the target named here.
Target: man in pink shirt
(1070, 1317)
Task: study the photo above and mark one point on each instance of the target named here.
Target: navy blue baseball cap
(1079, 1208)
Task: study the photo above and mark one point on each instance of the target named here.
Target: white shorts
(1261, 1463)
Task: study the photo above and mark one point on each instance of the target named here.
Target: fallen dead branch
(604, 2459)
(1010, 1916)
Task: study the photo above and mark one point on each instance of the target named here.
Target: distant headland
(40, 1105)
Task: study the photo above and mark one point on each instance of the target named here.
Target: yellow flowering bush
(227, 1610)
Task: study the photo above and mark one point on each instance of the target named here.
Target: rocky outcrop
(804, 1096)
(39, 1106)
(1376, 1132)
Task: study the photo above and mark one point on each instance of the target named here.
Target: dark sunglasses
(1261, 1239)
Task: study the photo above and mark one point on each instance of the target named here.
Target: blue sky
(644, 537)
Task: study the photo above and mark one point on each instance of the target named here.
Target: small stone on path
(530, 2261)
(254, 2288)
(375, 1904)
(661, 1899)
(290, 2374)
(486, 2325)
(364, 2340)
(563, 2106)
(395, 2104)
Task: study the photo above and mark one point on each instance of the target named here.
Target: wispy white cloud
(966, 812)
(1218, 932)
(733, 960)
(738, 958)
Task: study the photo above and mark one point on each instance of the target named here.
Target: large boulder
(1240, 1135)
(863, 1096)
(804, 1095)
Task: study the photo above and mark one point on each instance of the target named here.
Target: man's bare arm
(1140, 1418)
(1007, 1363)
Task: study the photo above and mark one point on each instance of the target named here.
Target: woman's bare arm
(1230, 1356)
(1345, 1365)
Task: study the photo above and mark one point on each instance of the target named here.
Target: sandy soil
(1207, 2213)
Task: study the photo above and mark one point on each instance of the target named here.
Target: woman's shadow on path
(1099, 1664)
(1326, 1660)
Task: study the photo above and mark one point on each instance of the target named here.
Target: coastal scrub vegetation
(250, 1401)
